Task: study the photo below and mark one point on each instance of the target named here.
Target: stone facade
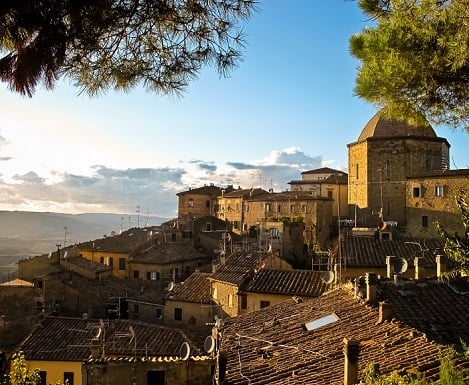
(380, 161)
(432, 198)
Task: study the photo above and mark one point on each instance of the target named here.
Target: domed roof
(380, 127)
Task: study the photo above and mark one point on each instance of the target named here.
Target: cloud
(152, 190)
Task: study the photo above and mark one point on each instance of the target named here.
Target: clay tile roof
(88, 265)
(204, 190)
(238, 265)
(196, 288)
(166, 253)
(372, 252)
(322, 170)
(304, 283)
(69, 339)
(246, 193)
(380, 127)
(272, 345)
(125, 242)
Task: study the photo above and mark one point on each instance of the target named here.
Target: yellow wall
(55, 370)
(95, 255)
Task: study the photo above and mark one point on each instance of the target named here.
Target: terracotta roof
(196, 288)
(322, 170)
(272, 345)
(442, 174)
(87, 264)
(167, 253)
(69, 339)
(285, 195)
(17, 283)
(124, 242)
(245, 193)
(304, 283)
(372, 252)
(380, 127)
(205, 190)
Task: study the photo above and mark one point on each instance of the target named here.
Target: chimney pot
(351, 352)
(385, 311)
(371, 280)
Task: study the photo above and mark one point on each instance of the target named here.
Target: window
(329, 194)
(111, 262)
(267, 207)
(136, 274)
(156, 377)
(190, 202)
(153, 275)
(101, 260)
(173, 237)
(416, 192)
(440, 191)
(68, 378)
(208, 227)
(292, 208)
(244, 301)
(424, 221)
(265, 304)
(279, 208)
(356, 171)
(230, 300)
(43, 377)
(177, 314)
(136, 309)
(207, 204)
(158, 313)
(121, 263)
(303, 209)
(323, 321)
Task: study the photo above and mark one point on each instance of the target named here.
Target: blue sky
(289, 107)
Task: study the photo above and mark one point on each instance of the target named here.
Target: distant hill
(24, 233)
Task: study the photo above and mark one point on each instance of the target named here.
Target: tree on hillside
(415, 60)
(117, 44)
(457, 246)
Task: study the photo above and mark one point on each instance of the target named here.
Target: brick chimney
(440, 265)
(371, 280)
(385, 311)
(389, 269)
(419, 268)
(351, 352)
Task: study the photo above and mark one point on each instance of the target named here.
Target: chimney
(389, 269)
(440, 265)
(419, 268)
(351, 352)
(96, 348)
(385, 311)
(371, 280)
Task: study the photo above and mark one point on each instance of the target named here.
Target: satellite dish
(328, 277)
(50, 254)
(65, 255)
(399, 265)
(185, 351)
(209, 344)
(170, 286)
(270, 248)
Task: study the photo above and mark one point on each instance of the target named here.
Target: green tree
(117, 44)
(456, 246)
(415, 60)
(20, 375)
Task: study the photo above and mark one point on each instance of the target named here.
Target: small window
(101, 260)
(424, 221)
(207, 204)
(158, 313)
(43, 377)
(440, 191)
(177, 314)
(292, 208)
(323, 321)
(68, 378)
(111, 261)
(208, 227)
(265, 304)
(267, 207)
(357, 174)
(173, 237)
(416, 192)
(230, 300)
(136, 274)
(244, 301)
(156, 377)
(153, 276)
(329, 194)
(121, 263)
(279, 208)
(303, 209)
(190, 202)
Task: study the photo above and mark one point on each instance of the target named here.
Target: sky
(288, 107)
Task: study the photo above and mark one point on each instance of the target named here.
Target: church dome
(380, 127)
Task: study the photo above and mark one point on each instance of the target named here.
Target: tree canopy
(415, 60)
(117, 44)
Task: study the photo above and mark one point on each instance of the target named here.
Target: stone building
(201, 200)
(385, 155)
(431, 198)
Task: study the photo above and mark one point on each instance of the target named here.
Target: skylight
(323, 321)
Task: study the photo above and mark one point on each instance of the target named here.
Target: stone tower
(384, 155)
